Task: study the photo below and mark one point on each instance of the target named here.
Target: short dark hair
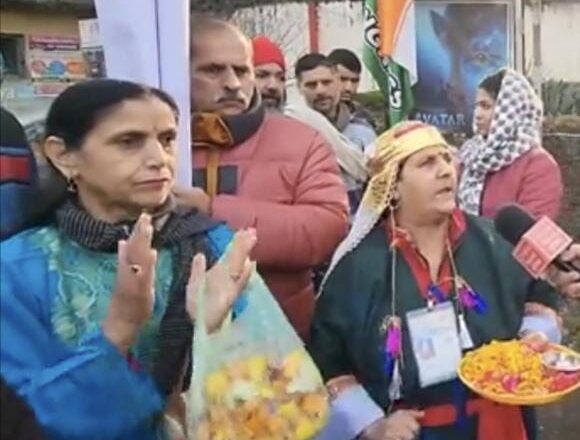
(310, 62)
(492, 84)
(346, 58)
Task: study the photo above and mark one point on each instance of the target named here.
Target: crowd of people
(97, 276)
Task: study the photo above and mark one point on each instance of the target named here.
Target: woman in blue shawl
(95, 311)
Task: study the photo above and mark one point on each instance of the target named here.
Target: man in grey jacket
(320, 84)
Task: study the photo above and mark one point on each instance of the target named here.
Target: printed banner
(55, 58)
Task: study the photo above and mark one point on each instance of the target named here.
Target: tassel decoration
(394, 337)
(472, 300)
(396, 384)
(392, 354)
(437, 293)
(389, 364)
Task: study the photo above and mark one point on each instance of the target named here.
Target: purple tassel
(466, 298)
(392, 354)
(472, 300)
(394, 340)
(437, 293)
(393, 346)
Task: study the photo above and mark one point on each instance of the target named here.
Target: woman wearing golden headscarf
(416, 283)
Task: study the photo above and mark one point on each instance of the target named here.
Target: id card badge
(435, 342)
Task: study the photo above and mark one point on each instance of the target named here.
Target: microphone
(538, 244)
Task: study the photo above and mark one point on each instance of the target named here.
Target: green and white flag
(389, 29)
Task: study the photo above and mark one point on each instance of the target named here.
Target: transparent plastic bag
(253, 378)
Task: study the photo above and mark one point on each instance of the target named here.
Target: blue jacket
(360, 133)
(54, 294)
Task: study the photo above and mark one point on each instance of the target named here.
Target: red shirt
(533, 181)
(417, 262)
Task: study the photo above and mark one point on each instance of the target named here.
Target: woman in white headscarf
(504, 162)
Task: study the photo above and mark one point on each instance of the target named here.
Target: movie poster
(458, 44)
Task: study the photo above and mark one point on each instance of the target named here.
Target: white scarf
(349, 156)
(515, 129)
(392, 148)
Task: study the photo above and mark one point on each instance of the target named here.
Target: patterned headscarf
(515, 129)
(392, 148)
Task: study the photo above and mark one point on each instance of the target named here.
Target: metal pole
(314, 26)
(537, 78)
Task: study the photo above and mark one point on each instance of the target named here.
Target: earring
(395, 203)
(71, 186)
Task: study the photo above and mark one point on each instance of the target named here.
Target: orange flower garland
(512, 369)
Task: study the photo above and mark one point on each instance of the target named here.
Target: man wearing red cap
(270, 78)
(262, 169)
(270, 72)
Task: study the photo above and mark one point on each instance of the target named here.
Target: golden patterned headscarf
(392, 148)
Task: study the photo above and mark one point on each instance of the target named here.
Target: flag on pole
(147, 41)
(390, 53)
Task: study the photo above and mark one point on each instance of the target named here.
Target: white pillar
(147, 41)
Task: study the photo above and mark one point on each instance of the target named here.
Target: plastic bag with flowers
(253, 379)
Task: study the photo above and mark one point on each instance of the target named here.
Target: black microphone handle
(567, 266)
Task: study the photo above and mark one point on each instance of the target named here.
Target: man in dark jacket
(349, 70)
